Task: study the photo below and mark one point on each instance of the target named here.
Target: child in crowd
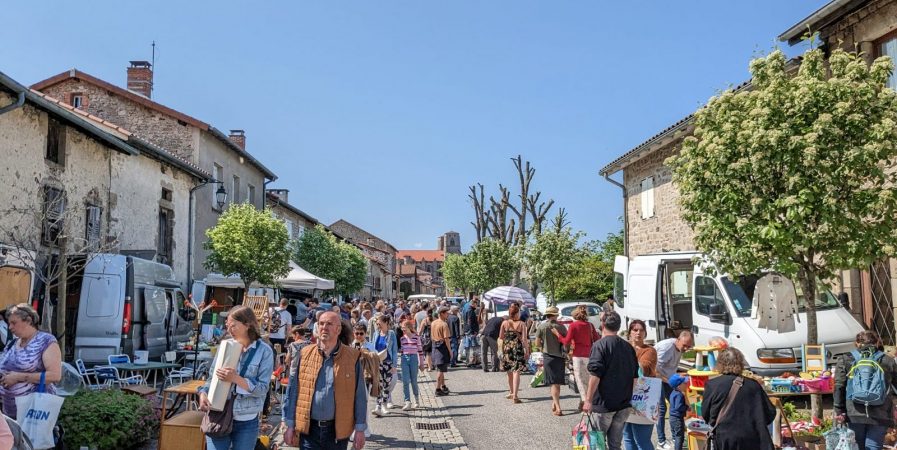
(678, 409)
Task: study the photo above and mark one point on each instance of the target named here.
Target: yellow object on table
(697, 440)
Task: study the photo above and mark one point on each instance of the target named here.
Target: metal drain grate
(432, 426)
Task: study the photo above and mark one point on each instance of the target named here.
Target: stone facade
(126, 188)
(665, 230)
(296, 221)
(178, 133)
(381, 257)
(165, 131)
(861, 28)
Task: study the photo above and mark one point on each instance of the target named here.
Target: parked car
(671, 292)
(567, 308)
(125, 303)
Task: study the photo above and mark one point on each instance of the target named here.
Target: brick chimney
(238, 137)
(282, 194)
(140, 78)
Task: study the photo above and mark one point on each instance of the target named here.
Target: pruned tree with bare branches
(42, 228)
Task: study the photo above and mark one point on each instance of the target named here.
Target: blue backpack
(866, 379)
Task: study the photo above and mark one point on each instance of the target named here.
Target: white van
(671, 293)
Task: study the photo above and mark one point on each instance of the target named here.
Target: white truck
(671, 293)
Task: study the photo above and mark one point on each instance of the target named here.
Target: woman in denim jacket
(250, 389)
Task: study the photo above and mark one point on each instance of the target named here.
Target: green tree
(456, 272)
(554, 255)
(793, 175)
(321, 253)
(249, 243)
(492, 263)
(594, 277)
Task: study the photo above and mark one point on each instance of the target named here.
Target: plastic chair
(119, 359)
(86, 373)
(110, 377)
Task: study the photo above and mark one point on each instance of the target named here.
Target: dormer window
(77, 100)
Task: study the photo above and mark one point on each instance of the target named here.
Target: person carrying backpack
(865, 381)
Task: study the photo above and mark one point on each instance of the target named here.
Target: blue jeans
(455, 344)
(869, 437)
(677, 427)
(242, 436)
(321, 439)
(638, 437)
(661, 425)
(410, 365)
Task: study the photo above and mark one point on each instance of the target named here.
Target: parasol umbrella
(504, 295)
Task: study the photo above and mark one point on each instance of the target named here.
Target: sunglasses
(358, 333)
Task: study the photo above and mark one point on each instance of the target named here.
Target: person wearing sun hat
(552, 356)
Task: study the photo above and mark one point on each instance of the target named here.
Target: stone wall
(859, 29)
(167, 132)
(665, 231)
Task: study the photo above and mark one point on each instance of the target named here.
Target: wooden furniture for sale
(183, 392)
(182, 432)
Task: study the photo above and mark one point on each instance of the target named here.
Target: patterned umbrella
(504, 295)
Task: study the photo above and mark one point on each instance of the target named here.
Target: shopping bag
(587, 435)
(538, 378)
(646, 393)
(37, 414)
(840, 438)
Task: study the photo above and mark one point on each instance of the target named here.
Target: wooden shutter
(93, 225)
(647, 197)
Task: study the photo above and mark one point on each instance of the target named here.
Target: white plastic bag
(37, 413)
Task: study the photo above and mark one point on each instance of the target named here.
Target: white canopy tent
(299, 278)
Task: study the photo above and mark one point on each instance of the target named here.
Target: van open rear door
(621, 274)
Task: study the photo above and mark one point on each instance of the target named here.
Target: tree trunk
(62, 291)
(807, 279)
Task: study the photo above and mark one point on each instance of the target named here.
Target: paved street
(477, 415)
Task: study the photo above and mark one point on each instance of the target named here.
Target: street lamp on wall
(220, 200)
(220, 195)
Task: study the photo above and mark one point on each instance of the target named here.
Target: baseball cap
(677, 379)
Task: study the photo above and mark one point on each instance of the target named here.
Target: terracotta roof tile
(422, 255)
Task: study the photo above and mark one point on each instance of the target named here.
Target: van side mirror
(718, 314)
(844, 300)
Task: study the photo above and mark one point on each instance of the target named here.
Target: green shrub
(108, 420)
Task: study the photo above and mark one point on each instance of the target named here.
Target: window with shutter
(55, 142)
(54, 212)
(163, 248)
(92, 226)
(647, 197)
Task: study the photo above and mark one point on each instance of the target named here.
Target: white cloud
(418, 245)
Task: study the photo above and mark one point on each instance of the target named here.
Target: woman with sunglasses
(361, 337)
(637, 436)
(412, 354)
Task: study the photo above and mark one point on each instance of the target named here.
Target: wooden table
(183, 391)
(151, 366)
(182, 432)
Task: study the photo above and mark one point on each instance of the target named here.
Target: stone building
(112, 190)
(381, 256)
(296, 220)
(224, 156)
(425, 261)
(652, 222)
(449, 242)
(413, 280)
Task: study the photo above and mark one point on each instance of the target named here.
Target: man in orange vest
(326, 401)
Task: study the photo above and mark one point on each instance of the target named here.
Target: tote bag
(37, 413)
(646, 393)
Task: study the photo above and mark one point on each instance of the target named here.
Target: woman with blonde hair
(250, 379)
(33, 357)
(580, 335)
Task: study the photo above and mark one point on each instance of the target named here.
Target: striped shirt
(411, 344)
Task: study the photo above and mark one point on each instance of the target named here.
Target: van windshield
(741, 292)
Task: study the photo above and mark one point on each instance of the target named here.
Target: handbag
(220, 423)
(736, 385)
(37, 414)
(646, 398)
(840, 438)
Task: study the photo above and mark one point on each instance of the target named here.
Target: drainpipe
(625, 217)
(18, 104)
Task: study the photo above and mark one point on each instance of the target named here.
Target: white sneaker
(665, 446)
(415, 405)
(407, 406)
(377, 412)
(384, 411)
(389, 405)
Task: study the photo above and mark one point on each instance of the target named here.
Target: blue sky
(383, 112)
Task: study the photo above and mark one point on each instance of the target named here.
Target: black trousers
(490, 345)
(322, 438)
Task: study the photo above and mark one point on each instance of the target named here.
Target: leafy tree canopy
(793, 175)
(321, 253)
(249, 243)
